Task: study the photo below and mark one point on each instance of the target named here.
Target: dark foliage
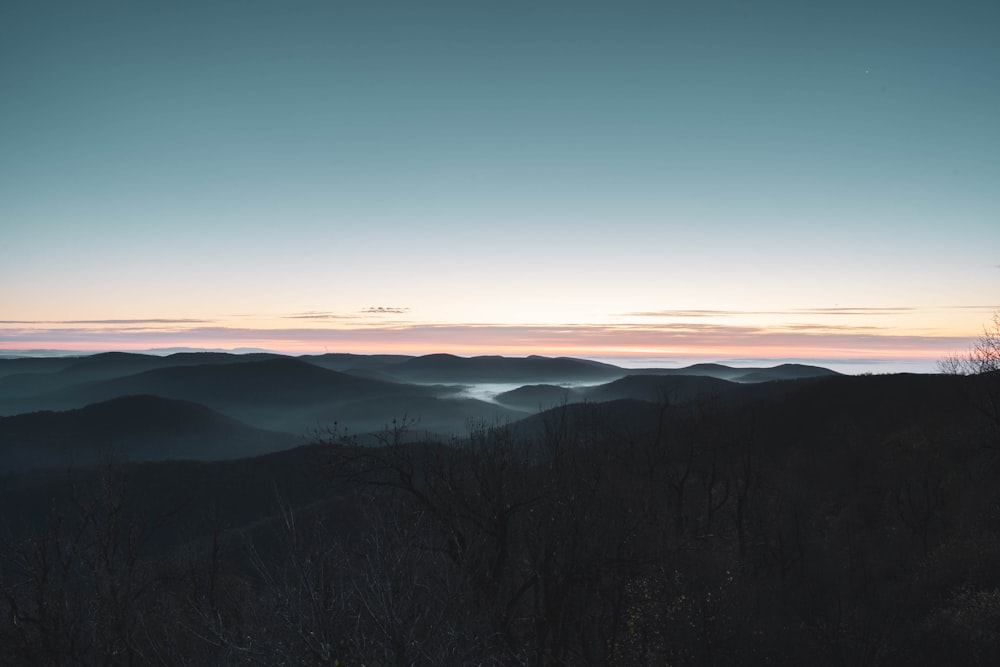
(839, 521)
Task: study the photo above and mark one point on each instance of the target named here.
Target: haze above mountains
(64, 411)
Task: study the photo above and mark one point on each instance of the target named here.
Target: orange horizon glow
(883, 336)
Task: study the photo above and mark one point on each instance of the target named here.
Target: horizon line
(628, 360)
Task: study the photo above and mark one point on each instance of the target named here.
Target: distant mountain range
(189, 494)
(57, 411)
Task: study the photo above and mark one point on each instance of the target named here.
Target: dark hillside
(534, 369)
(824, 520)
(747, 374)
(193, 497)
(26, 365)
(81, 369)
(838, 506)
(355, 363)
(109, 365)
(36, 379)
(207, 358)
(539, 396)
(136, 428)
(783, 372)
(275, 381)
(444, 417)
(875, 405)
(660, 388)
(274, 393)
(624, 419)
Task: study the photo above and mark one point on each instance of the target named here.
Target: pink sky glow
(685, 341)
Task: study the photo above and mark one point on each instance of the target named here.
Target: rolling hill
(130, 428)
(273, 393)
(299, 396)
(534, 369)
(743, 375)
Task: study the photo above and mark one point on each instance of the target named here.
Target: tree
(982, 358)
(982, 363)
(80, 592)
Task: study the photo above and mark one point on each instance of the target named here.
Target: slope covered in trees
(840, 520)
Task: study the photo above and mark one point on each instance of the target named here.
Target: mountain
(490, 369)
(197, 496)
(659, 388)
(678, 389)
(355, 363)
(134, 428)
(274, 393)
(441, 416)
(782, 504)
(745, 375)
(299, 395)
(783, 372)
(877, 406)
(538, 396)
(43, 376)
(26, 365)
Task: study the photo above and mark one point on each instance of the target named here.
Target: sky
(659, 180)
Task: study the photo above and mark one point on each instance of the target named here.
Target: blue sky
(761, 179)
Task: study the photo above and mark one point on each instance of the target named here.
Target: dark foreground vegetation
(839, 521)
(851, 521)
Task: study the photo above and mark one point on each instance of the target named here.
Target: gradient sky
(808, 180)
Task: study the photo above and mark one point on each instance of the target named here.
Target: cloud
(323, 315)
(682, 313)
(842, 328)
(103, 322)
(704, 339)
(316, 315)
(849, 311)
(383, 310)
(576, 340)
(837, 310)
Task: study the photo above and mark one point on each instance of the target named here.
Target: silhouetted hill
(655, 390)
(539, 396)
(795, 412)
(197, 496)
(616, 418)
(659, 388)
(206, 358)
(274, 393)
(300, 395)
(39, 378)
(784, 372)
(136, 428)
(449, 368)
(81, 369)
(355, 363)
(839, 506)
(442, 416)
(105, 366)
(27, 365)
(749, 374)
(482, 369)
(871, 406)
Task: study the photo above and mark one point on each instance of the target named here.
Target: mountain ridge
(135, 427)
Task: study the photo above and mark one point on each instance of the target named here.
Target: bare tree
(79, 591)
(983, 357)
(982, 364)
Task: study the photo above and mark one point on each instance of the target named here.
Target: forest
(832, 520)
